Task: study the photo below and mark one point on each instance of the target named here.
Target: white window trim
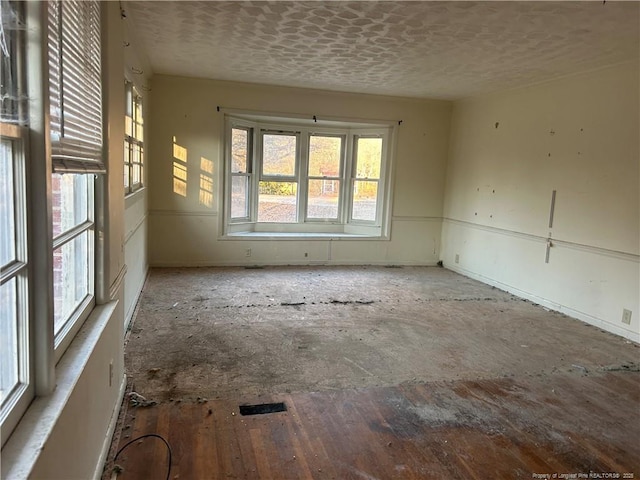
(308, 228)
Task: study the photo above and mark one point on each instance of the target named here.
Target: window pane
(70, 201)
(7, 204)
(136, 174)
(279, 155)
(369, 158)
(239, 150)
(365, 195)
(8, 338)
(70, 278)
(10, 62)
(128, 126)
(323, 197)
(324, 156)
(127, 164)
(277, 202)
(139, 133)
(239, 204)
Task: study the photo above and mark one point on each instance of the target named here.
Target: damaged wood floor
(385, 373)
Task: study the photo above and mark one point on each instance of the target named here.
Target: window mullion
(256, 169)
(72, 233)
(12, 270)
(302, 160)
(347, 189)
(40, 225)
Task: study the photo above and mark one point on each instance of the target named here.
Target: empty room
(326, 239)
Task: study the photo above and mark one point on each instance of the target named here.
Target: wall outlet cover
(626, 316)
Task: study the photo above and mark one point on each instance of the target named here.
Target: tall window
(240, 172)
(367, 165)
(325, 177)
(278, 186)
(133, 140)
(73, 50)
(16, 388)
(320, 179)
(76, 143)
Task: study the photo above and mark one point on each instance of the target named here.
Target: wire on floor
(130, 442)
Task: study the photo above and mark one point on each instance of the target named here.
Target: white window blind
(75, 86)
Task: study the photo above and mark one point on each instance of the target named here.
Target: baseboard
(106, 445)
(312, 263)
(134, 305)
(558, 307)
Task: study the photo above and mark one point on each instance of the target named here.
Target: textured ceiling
(418, 49)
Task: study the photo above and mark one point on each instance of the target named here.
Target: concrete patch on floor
(223, 332)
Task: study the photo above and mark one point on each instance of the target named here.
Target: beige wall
(509, 151)
(138, 71)
(185, 230)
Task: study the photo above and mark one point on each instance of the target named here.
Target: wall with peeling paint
(508, 152)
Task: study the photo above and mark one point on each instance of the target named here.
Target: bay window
(323, 179)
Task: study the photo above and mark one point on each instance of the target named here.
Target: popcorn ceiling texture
(418, 49)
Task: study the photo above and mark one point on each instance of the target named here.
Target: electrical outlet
(306, 254)
(247, 252)
(457, 258)
(626, 316)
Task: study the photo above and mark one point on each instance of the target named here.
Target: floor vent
(262, 408)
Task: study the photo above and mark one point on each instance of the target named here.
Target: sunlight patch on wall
(179, 169)
(206, 182)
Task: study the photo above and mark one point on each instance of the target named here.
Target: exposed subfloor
(408, 372)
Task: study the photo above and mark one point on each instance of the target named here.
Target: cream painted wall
(135, 250)
(138, 71)
(185, 230)
(509, 151)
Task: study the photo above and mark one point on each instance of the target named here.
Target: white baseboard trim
(106, 445)
(585, 317)
(311, 263)
(129, 314)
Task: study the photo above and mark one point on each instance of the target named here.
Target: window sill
(132, 195)
(22, 451)
(299, 236)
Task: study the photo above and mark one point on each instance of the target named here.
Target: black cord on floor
(146, 436)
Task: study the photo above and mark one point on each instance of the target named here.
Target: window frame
(341, 226)
(16, 401)
(354, 178)
(134, 110)
(259, 134)
(342, 168)
(83, 307)
(248, 175)
(77, 150)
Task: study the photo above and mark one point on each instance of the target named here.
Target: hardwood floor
(577, 424)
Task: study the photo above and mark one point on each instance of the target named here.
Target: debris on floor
(138, 400)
